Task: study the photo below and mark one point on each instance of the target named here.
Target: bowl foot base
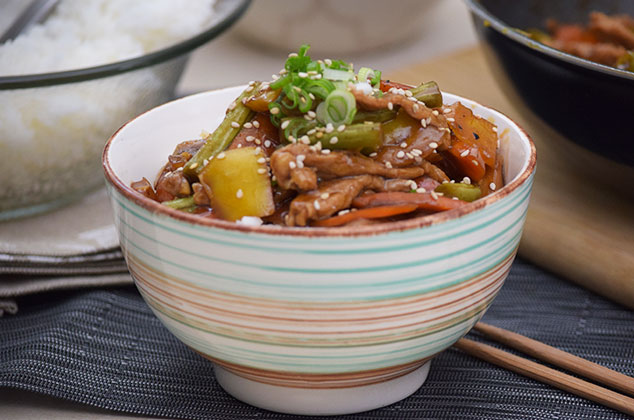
(309, 401)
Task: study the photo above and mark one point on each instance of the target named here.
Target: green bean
(381, 115)
(180, 203)
(464, 192)
(222, 137)
(366, 137)
(428, 93)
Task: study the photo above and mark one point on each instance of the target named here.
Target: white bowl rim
(382, 228)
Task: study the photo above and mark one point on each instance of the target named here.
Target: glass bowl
(53, 126)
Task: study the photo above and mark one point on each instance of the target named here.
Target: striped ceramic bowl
(312, 321)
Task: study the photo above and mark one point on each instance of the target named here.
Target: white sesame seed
(292, 139)
(342, 212)
(316, 77)
(415, 107)
(412, 184)
(311, 131)
(232, 105)
(249, 89)
(275, 76)
(492, 186)
(300, 164)
(451, 119)
(256, 124)
(409, 155)
(221, 155)
(388, 165)
(475, 162)
(302, 74)
(285, 124)
(446, 110)
(267, 143)
(328, 62)
(408, 93)
(428, 120)
(205, 162)
(421, 190)
(341, 128)
(404, 145)
(235, 124)
(495, 129)
(400, 154)
(334, 140)
(247, 125)
(390, 106)
(433, 145)
(466, 180)
(292, 55)
(325, 151)
(258, 141)
(250, 138)
(311, 96)
(292, 165)
(258, 150)
(423, 122)
(435, 112)
(261, 170)
(311, 114)
(329, 128)
(464, 153)
(325, 195)
(301, 158)
(239, 193)
(275, 111)
(193, 165)
(261, 160)
(454, 198)
(316, 204)
(373, 154)
(304, 139)
(434, 195)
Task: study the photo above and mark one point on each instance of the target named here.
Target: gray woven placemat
(105, 348)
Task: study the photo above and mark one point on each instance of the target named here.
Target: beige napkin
(72, 247)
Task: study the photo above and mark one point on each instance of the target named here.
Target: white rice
(51, 138)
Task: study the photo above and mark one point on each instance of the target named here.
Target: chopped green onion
(320, 88)
(338, 108)
(367, 73)
(337, 75)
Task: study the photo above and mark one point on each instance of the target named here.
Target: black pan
(589, 103)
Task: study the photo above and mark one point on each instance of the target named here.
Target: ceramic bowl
(312, 320)
(335, 27)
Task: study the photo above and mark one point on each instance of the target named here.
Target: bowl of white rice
(68, 83)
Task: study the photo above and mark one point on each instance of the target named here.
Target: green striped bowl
(312, 321)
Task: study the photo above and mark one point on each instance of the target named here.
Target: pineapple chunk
(239, 184)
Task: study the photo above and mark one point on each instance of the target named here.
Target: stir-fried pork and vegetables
(322, 146)
(606, 39)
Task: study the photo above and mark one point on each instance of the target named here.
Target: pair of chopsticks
(550, 376)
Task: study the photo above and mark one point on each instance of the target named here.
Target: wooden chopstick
(559, 358)
(547, 375)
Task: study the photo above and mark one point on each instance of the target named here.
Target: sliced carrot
(467, 159)
(423, 201)
(369, 213)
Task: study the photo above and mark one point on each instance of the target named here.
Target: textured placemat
(105, 348)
